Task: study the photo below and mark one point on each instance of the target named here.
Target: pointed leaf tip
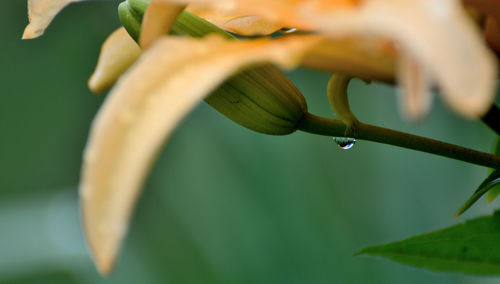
(492, 180)
(471, 247)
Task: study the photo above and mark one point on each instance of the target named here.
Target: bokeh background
(223, 204)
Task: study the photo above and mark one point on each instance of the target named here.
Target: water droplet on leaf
(344, 143)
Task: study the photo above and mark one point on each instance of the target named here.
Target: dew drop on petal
(288, 30)
(344, 143)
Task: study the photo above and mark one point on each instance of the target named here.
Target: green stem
(334, 127)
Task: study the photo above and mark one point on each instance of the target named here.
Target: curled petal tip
(414, 88)
(103, 240)
(40, 14)
(118, 52)
(105, 265)
(30, 34)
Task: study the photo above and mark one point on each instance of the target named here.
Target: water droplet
(344, 143)
(288, 30)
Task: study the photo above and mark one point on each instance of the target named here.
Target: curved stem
(337, 96)
(334, 127)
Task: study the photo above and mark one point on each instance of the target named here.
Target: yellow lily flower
(430, 41)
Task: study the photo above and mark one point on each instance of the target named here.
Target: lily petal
(415, 89)
(241, 24)
(440, 37)
(41, 13)
(118, 52)
(142, 111)
(437, 34)
(369, 59)
(158, 19)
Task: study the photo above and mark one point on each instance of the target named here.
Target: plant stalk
(334, 127)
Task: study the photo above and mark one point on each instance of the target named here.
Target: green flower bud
(261, 99)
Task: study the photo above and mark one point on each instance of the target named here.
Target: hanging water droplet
(344, 143)
(288, 30)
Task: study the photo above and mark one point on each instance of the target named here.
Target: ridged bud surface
(261, 98)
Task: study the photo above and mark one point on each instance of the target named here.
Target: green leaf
(495, 191)
(472, 247)
(491, 181)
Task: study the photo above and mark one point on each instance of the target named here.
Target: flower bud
(261, 99)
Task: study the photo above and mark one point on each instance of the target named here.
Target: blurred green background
(223, 204)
